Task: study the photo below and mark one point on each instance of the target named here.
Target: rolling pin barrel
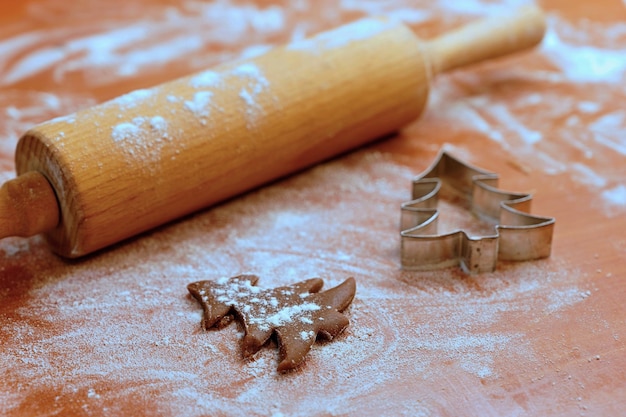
(148, 157)
(151, 156)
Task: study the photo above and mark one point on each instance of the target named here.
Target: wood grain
(115, 333)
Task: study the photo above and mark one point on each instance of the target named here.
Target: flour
(199, 105)
(615, 199)
(34, 63)
(143, 137)
(589, 107)
(17, 44)
(20, 110)
(247, 98)
(502, 114)
(251, 72)
(402, 326)
(159, 124)
(511, 119)
(286, 315)
(261, 307)
(69, 119)
(256, 86)
(117, 332)
(165, 51)
(481, 8)
(337, 38)
(132, 99)
(254, 51)
(206, 79)
(15, 246)
(583, 63)
(586, 175)
(136, 43)
(125, 132)
(393, 12)
(617, 195)
(609, 130)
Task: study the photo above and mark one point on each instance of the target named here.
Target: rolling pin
(104, 174)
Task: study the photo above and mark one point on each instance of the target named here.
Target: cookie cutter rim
(518, 235)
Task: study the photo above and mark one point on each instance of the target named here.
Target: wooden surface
(117, 334)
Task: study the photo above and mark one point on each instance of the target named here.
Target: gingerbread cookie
(297, 313)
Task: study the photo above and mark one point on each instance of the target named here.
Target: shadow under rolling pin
(107, 173)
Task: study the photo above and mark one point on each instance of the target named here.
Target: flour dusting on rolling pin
(107, 173)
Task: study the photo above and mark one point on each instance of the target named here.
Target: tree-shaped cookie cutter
(518, 235)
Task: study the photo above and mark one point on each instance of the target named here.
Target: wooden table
(116, 333)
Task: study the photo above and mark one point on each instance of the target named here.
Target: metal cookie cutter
(518, 235)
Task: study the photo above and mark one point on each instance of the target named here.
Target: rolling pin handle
(28, 206)
(486, 39)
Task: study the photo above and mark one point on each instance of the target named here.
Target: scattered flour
(108, 333)
(143, 137)
(505, 118)
(480, 8)
(207, 79)
(586, 175)
(617, 195)
(615, 199)
(286, 315)
(403, 326)
(200, 105)
(15, 246)
(391, 11)
(255, 85)
(583, 63)
(247, 98)
(262, 308)
(126, 132)
(357, 31)
(132, 99)
(139, 41)
(518, 121)
(34, 63)
(609, 129)
(20, 110)
(252, 72)
(589, 107)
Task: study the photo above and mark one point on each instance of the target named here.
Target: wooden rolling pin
(107, 173)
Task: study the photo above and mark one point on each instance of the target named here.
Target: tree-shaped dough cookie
(297, 313)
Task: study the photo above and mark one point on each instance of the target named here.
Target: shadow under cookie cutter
(518, 235)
